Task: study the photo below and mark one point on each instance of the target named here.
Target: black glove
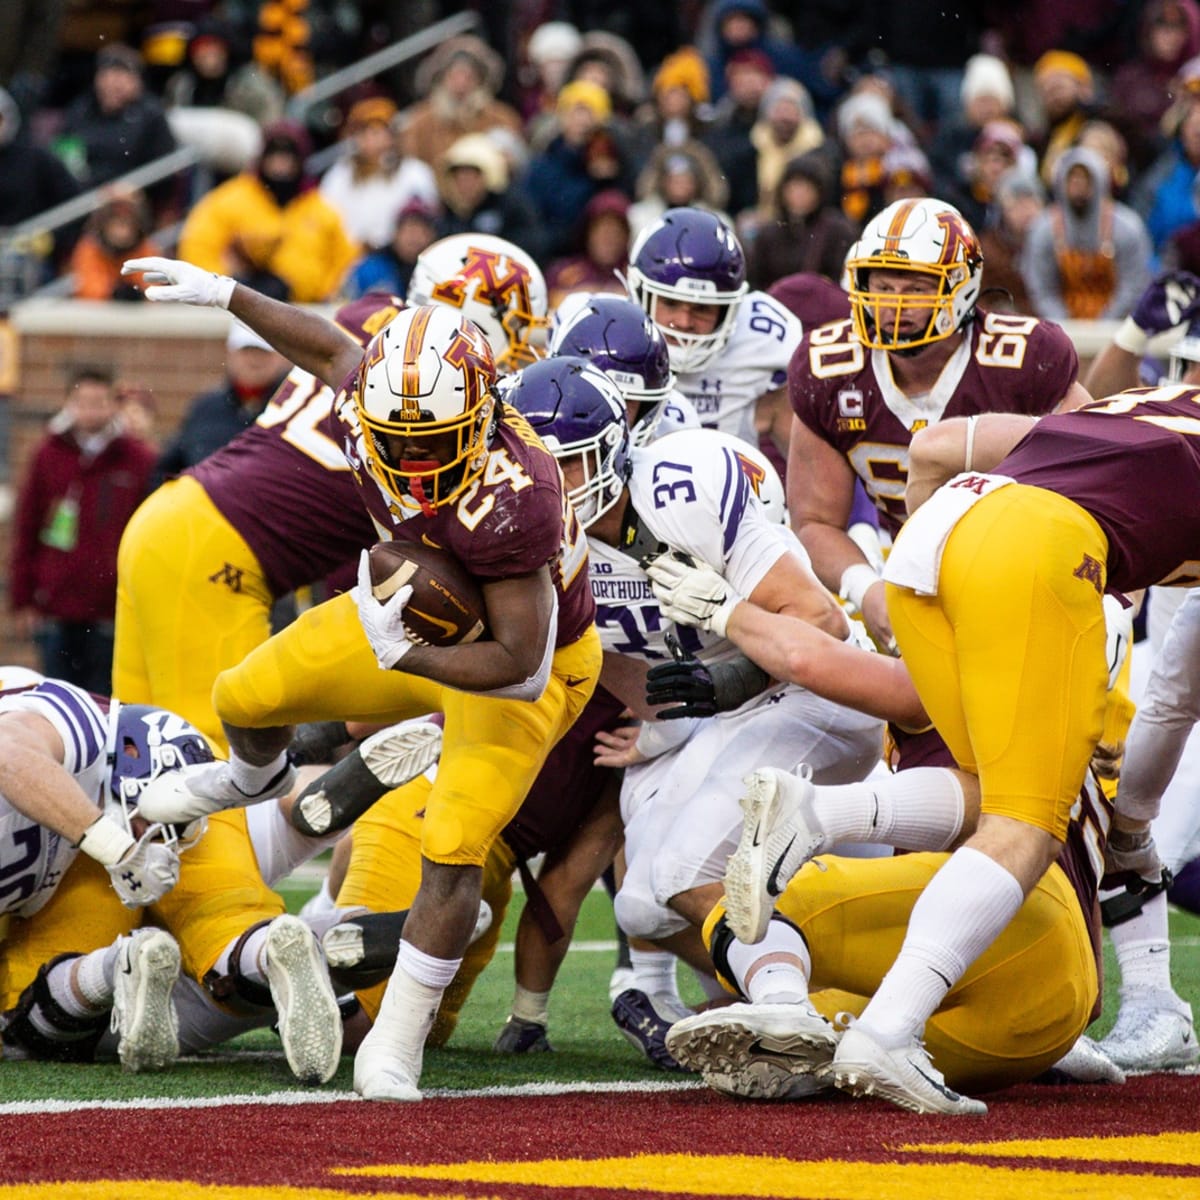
(685, 682)
(698, 690)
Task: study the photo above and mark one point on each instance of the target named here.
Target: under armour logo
(230, 576)
(1092, 571)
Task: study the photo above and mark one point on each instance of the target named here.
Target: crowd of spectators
(1068, 135)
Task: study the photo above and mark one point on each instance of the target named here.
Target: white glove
(182, 282)
(1118, 626)
(382, 623)
(146, 873)
(691, 593)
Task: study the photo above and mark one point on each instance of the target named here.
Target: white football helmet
(425, 403)
(491, 282)
(924, 237)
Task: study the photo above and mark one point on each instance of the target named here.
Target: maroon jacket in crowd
(78, 584)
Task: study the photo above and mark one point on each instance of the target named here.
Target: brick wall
(177, 352)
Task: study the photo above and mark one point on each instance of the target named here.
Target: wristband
(657, 737)
(531, 1006)
(225, 287)
(1131, 337)
(857, 579)
(736, 681)
(105, 841)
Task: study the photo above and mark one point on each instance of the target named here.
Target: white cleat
(779, 835)
(143, 1015)
(757, 1051)
(310, 1022)
(905, 1076)
(203, 788)
(1150, 1038)
(1086, 1062)
(383, 1072)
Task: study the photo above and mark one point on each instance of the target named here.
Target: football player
(278, 509)
(72, 957)
(729, 346)
(1016, 1013)
(995, 591)
(916, 349)
(437, 458)
(689, 491)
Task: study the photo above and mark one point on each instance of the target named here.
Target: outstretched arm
(306, 339)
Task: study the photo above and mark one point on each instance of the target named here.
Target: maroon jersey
(844, 393)
(513, 521)
(813, 298)
(1082, 855)
(568, 786)
(1133, 462)
(286, 487)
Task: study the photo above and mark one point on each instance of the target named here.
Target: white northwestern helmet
(492, 282)
(921, 237)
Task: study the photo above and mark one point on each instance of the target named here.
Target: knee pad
(74, 1039)
(640, 917)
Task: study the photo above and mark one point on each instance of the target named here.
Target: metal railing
(22, 249)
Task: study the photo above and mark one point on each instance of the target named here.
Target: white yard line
(35, 1107)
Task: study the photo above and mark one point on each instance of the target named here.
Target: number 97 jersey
(845, 393)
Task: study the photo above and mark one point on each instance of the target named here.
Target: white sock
(1143, 949)
(775, 970)
(89, 977)
(961, 912)
(917, 809)
(531, 1006)
(654, 972)
(252, 780)
(249, 964)
(425, 969)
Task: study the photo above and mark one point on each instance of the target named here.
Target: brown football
(446, 607)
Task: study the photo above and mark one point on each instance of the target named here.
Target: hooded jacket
(1106, 229)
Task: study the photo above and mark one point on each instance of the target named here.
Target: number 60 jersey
(846, 395)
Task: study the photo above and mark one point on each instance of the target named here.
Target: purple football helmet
(578, 412)
(689, 255)
(617, 336)
(143, 742)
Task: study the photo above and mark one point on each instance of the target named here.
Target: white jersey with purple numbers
(32, 857)
(693, 491)
(753, 363)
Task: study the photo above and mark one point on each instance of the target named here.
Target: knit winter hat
(686, 69)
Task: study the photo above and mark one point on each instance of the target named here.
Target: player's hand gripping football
(690, 592)
(383, 623)
(182, 282)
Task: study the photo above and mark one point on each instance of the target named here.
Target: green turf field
(588, 1045)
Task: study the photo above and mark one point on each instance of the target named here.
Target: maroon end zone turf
(520, 1146)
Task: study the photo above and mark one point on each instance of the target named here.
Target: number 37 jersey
(693, 491)
(846, 395)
